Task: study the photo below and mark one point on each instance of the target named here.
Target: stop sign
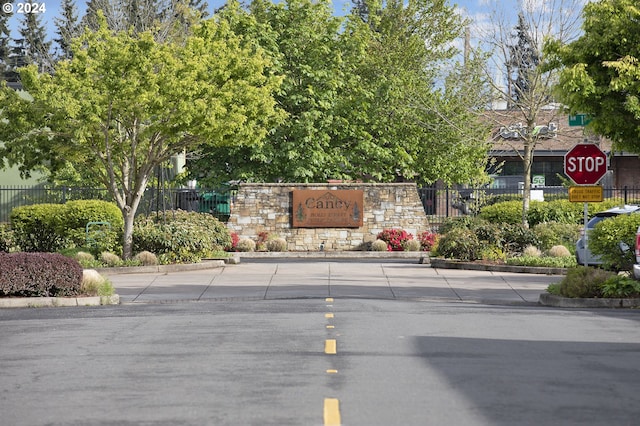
(585, 164)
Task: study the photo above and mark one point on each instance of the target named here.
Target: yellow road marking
(329, 315)
(331, 326)
(330, 347)
(332, 371)
(329, 299)
(332, 412)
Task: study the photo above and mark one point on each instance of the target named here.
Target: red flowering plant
(234, 242)
(427, 240)
(395, 238)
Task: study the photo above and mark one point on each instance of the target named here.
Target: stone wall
(267, 207)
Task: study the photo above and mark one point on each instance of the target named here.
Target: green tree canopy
(125, 103)
(600, 73)
(367, 96)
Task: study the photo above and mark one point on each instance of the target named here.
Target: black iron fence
(441, 203)
(438, 203)
(215, 201)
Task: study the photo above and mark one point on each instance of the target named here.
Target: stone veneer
(267, 207)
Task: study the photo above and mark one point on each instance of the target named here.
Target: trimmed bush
(36, 227)
(556, 233)
(180, 236)
(516, 238)
(532, 251)
(508, 212)
(276, 244)
(110, 259)
(563, 211)
(146, 258)
(411, 245)
(77, 214)
(427, 240)
(559, 251)
(246, 245)
(6, 238)
(395, 238)
(39, 274)
(460, 244)
(379, 245)
(94, 284)
(605, 239)
(583, 281)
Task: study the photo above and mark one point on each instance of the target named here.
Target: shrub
(246, 245)
(180, 236)
(110, 259)
(461, 222)
(427, 240)
(516, 238)
(6, 238)
(583, 281)
(94, 284)
(36, 227)
(563, 211)
(39, 274)
(395, 238)
(412, 245)
(545, 261)
(276, 244)
(532, 251)
(234, 242)
(146, 258)
(605, 239)
(620, 286)
(491, 253)
(508, 212)
(460, 244)
(379, 245)
(78, 213)
(556, 233)
(261, 242)
(559, 251)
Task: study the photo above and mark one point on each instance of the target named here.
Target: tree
(68, 28)
(529, 90)
(125, 103)
(360, 95)
(5, 37)
(36, 48)
(600, 74)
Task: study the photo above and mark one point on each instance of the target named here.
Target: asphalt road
(319, 361)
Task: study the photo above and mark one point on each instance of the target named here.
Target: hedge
(39, 274)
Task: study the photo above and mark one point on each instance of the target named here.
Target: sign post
(585, 164)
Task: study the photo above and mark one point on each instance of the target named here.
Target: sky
(51, 8)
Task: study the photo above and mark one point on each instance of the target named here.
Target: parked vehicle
(636, 267)
(583, 254)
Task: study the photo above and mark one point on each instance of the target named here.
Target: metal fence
(438, 203)
(441, 203)
(215, 201)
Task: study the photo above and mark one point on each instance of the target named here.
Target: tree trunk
(526, 193)
(127, 239)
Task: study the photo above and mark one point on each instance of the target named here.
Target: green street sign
(579, 120)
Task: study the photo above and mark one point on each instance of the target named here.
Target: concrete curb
(548, 299)
(50, 302)
(418, 255)
(457, 264)
(180, 267)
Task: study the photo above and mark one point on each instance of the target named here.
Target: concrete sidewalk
(285, 279)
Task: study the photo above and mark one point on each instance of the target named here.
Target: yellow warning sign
(585, 194)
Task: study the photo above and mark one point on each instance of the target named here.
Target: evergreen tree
(34, 45)
(67, 28)
(522, 63)
(5, 39)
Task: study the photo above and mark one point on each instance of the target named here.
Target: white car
(636, 267)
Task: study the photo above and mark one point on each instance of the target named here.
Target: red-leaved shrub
(39, 274)
(395, 238)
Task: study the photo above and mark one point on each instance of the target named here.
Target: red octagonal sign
(585, 164)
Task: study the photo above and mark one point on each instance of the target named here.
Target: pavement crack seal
(451, 287)
(209, 284)
(146, 288)
(386, 277)
(509, 285)
(266, 290)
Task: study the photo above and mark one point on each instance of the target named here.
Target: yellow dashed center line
(329, 299)
(331, 327)
(330, 347)
(329, 315)
(332, 412)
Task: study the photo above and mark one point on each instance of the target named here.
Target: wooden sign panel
(339, 208)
